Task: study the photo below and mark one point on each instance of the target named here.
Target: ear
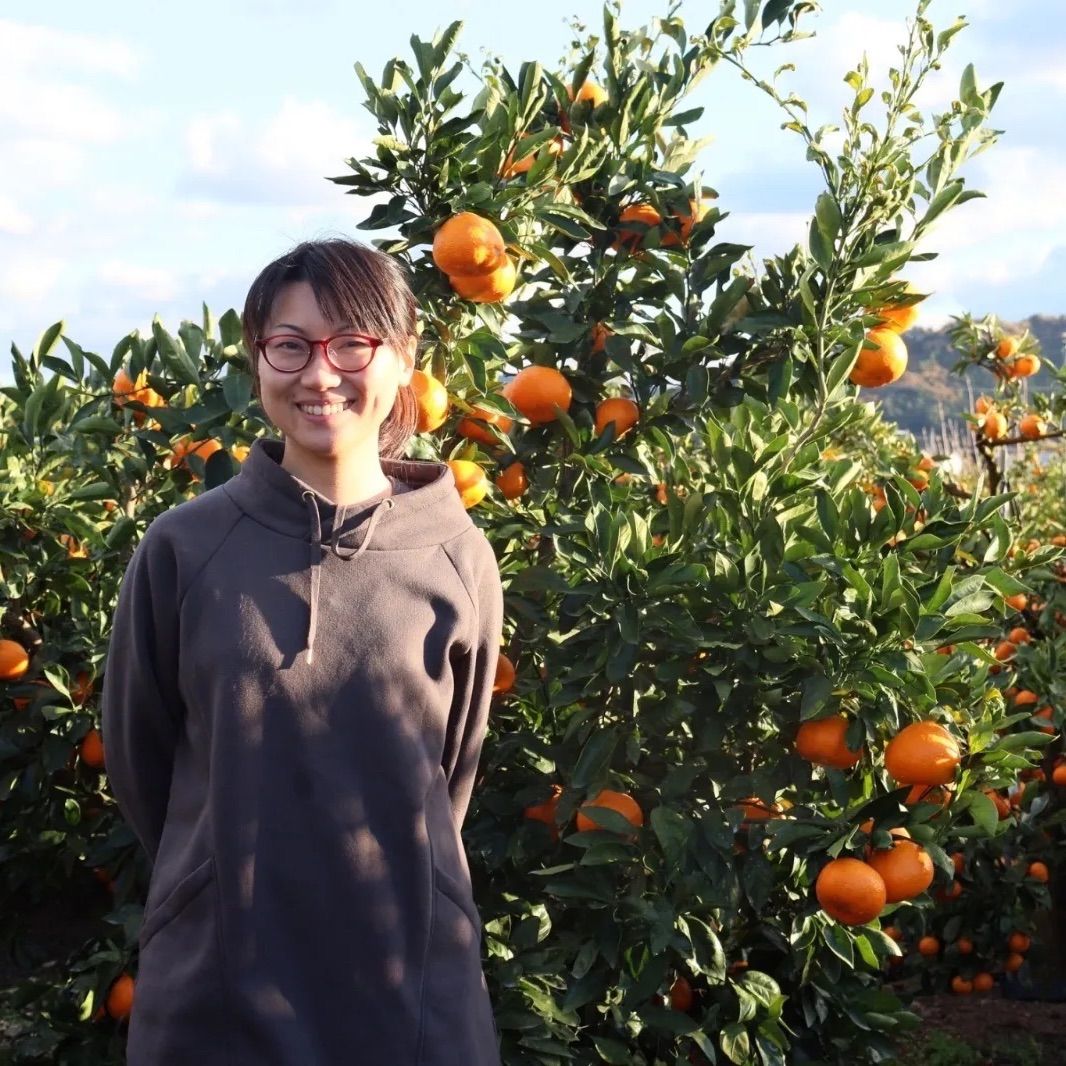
(406, 357)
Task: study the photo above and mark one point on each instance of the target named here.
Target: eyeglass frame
(375, 344)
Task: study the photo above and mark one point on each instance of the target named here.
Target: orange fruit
(964, 945)
(511, 169)
(432, 397)
(681, 997)
(1006, 347)
(513, 482)
(994, 426)
(1014, 962)
(91, 749)
(1025, 698)
(120, 997)
(882, 359)
(82, 688)
(821, 741)
(958, 860)
(591, 91)
(630, 236)
(240, 452)
(598, 338)
(123, 388)
(505, 675)
(470, 481)
(1002, 804)
(906, 869)
(899, 317)
(1025, 366)
(755, 810)
(893, 933)
(488, 288)
(1019, 635)
(927, 794)
(696, 213)
(1016, 602)
(14, 660)
(1005, 650)
(929, 946)
(536, 391)
(982, 405)
(850, 891)
(545, 812)
(1032, 426)
(75, 549)
(475, 425)
(1058, 775)
(621, 802)
(960, 986)
(186, 446)
(923, 753)
(467, 244)
(623, 413)
(1038, 871)
(946, 895)
(1019, 942)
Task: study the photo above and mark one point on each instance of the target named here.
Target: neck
(348, 481)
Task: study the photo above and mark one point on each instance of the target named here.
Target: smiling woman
(253, 750)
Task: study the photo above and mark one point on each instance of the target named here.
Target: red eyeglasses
(347, 352)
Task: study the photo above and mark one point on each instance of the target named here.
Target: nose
(319, 368)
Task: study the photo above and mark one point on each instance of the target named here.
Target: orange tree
(715, 632)
(1006, 882)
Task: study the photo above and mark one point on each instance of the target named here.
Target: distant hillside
(914, 402)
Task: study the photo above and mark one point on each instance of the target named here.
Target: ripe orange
(1038, 871)
(687, 221)
(1032, 426)
(623, 413)
(1002, 804)
(505, 675)
(906, 869)
(681, 997)
(120, 997)
(1025, 366)
(850, 891)
(994, 426)
(982, 405)
(755, 810)
(591, 91)
(1014, 962)
(960, 986)
(1005, 650)
(1019, 635)
(1019, 942)
(545, 812)
(82, 688)
(513, 482)
(536, 391)
(964, 945)
(475, 425)
(1006, 347)
(511, 169)
(899, 317)
(186, 446)
(1058, 775)
(630, 236)
(929, 946)
(882, 359)
(91, 749)
(470, 481)
(468, 244)
(946, 895)
(923, 753)
(1024, 698)
(928, 794)
(821, 741)
(488, 288)
(893, 933)
(124, 388)
(432, 397)
(598, 337)
(621, 802)
(14, 660)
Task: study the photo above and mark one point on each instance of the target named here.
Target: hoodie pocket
(180, 1009)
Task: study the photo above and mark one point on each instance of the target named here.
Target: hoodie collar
(430, 512)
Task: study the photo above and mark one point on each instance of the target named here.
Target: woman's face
(368, 394)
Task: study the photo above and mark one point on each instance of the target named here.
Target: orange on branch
(1024, 366)
(929, 946)
(633, 223)
(624, 413)
(607, 798)
(994, 427)
(120, 997)
(488, 288)
(432, 397)
(505, 676)
(905, 867)
(513, 482)
(467, 244)
(536, 392)
(470, 481)
(923, 753)
(91, 749)
(882, 359)
(14, 660)
(1032, 426)
(821, 741)
(850, 891)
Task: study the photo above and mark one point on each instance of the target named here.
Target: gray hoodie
(293, 710)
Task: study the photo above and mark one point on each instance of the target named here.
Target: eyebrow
(345, 326)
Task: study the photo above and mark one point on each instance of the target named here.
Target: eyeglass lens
(349, 351)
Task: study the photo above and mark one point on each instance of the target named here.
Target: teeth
(318, 409)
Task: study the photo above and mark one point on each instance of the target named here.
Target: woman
(295, 700)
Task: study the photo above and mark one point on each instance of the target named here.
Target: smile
(324, 409)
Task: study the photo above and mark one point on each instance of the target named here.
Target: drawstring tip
(310, 655)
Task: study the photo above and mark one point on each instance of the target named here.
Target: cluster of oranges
(470, 250)
(961, 950)
(606, 799)
(883, 356)
(993, 424)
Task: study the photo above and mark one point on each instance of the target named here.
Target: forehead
(297, 305)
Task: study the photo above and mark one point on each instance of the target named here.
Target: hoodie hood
(424, 509)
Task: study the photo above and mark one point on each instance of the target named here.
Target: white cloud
(44, 47)
(13, 219)
(31, 279)
(146, 283)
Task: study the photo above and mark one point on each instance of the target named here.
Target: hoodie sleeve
(142, 710)
(474, 674)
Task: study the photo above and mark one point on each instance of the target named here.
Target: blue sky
(158, 155)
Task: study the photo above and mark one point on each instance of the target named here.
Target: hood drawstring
(337, 548)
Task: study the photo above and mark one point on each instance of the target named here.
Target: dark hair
(351, 283)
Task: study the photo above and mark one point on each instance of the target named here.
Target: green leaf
(595, 758)
(735, 1043)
